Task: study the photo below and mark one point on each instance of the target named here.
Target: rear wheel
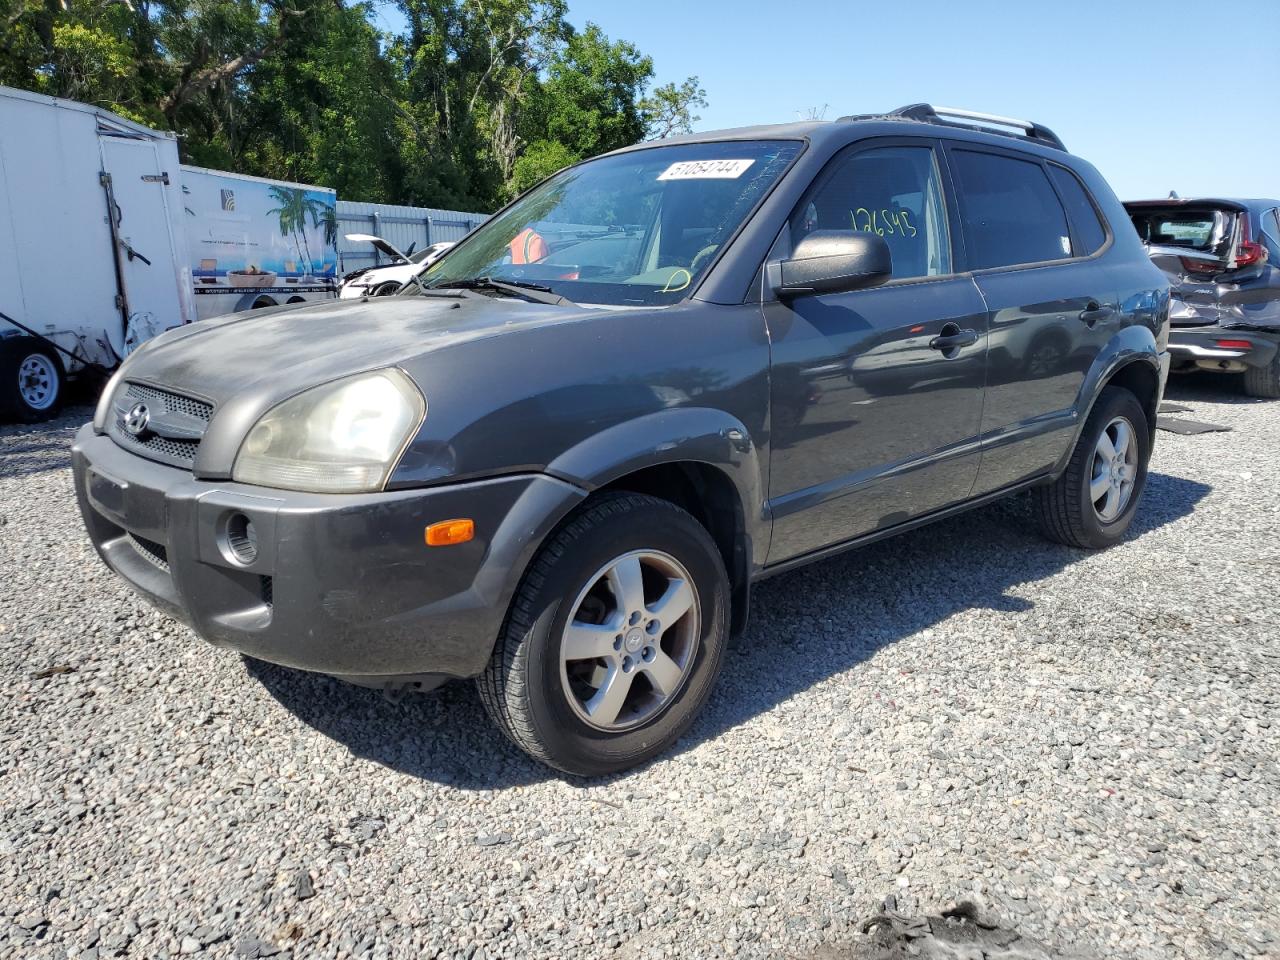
(31, 380)
(614, 637)
(1092, 504)
(1263, 381)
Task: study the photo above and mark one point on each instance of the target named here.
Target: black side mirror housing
(832, 261)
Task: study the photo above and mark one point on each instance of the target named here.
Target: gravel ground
(1082, 746)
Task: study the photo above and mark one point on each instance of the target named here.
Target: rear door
(1051, 305)
(874, 422)
(147, 252)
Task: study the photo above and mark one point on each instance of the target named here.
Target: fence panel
(402, 227)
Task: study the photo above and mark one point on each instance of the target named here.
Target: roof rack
(984, 122)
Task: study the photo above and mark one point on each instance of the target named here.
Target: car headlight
(102, 413)
(343, 437)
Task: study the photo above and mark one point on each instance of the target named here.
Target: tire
(540, 700)
(1066, 509)
(32, 380)
(1263, 381)
(386, 289)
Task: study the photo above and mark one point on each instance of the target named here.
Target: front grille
(176, 424)
(150, 550)
(267, 587)
(162, 448)
(171, 401)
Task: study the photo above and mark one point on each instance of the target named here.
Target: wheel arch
(1142, 379)
(1131, 360)
(700, 458)
(708, 494)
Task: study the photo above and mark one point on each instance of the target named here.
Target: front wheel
(1092, 504)
(614, 637)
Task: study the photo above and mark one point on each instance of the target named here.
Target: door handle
(953, 338)
(1095, 312)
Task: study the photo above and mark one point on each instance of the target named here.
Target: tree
(669, 109)
(474, 101)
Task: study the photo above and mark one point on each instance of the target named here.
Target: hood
(246, 363)
(283, 350)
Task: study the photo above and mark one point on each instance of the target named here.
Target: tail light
(1235, 345)
(1200, 268)
(1248, 252)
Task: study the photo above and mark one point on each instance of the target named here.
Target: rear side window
(1010, 211)
(1090, 235)
(1271, 235)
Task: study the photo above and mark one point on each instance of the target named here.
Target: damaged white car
(382, 281)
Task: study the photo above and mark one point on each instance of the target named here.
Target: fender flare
(1135, 344)
(700, 435)
(680, 434)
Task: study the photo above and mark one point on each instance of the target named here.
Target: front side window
(636, 228)
(893, 192)
(1010, 211)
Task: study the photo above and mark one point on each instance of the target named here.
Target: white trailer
(253, 242)
(106, 241)
(92, 251)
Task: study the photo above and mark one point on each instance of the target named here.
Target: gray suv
(557, 462)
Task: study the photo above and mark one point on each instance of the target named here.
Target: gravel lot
(1084, 746)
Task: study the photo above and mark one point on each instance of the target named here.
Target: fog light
(241, 539)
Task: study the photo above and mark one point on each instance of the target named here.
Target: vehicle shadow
(1209, 387)
(894, 589)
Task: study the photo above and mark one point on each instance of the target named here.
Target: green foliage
(474, 102)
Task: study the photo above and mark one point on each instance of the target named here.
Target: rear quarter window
(1090, 234)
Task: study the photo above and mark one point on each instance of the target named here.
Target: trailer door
(146, 250)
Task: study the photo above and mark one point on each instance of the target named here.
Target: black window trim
(863, 145)
(961, 146)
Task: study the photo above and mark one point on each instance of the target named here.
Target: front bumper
(1198, 347)
(341, 584)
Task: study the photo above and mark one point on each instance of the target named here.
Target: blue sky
(1153, 92)
(1149, 92)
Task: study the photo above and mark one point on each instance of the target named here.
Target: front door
(875, 420)
(147, 249)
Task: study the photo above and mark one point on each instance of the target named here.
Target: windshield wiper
(534, 292)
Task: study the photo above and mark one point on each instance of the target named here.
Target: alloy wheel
(1115, 470)
(630, 641)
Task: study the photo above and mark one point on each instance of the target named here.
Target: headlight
(102, 413)
(343, 437)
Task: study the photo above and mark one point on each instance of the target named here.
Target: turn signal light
(448, 532)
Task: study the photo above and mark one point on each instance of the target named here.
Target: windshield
(1205, 229)
(637, 228)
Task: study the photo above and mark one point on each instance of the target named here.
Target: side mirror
(832, 261)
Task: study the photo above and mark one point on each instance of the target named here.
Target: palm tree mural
(324, 216)
(294, 210)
